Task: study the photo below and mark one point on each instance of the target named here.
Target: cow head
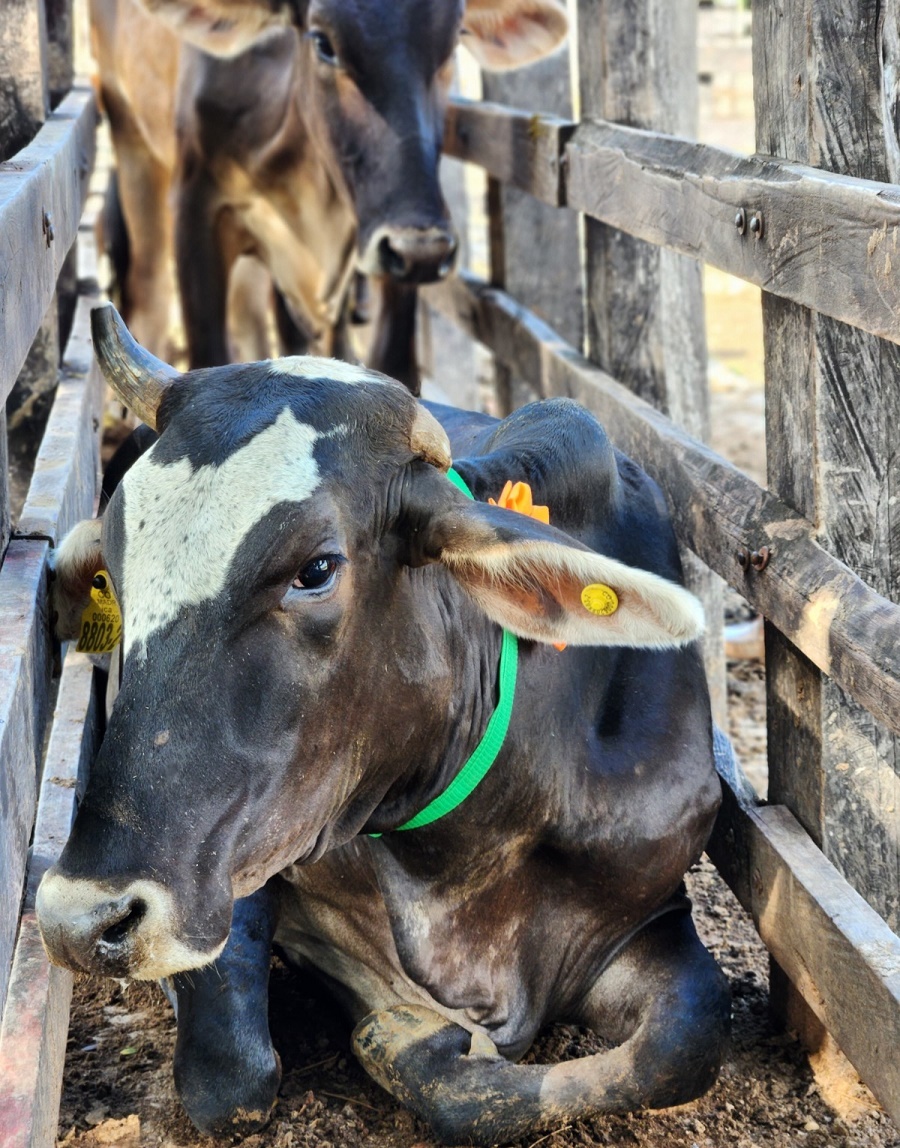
(300, 587)
(372, 84)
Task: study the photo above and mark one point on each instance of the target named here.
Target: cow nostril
(118, 931)
(392, 262)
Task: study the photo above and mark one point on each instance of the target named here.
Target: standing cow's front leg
(203, 259)
(226, 1071)
(663, 999)
(393, 350)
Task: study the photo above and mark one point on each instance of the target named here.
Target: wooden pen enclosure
(597, 228)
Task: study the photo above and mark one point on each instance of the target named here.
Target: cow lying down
(323, 637)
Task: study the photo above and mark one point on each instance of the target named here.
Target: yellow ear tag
(599, 599)
(101, 622)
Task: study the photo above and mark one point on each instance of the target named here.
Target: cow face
(294, 571)
(371, 87)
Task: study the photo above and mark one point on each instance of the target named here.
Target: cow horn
(138, 378)
(428, 439)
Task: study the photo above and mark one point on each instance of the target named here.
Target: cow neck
(485, 753)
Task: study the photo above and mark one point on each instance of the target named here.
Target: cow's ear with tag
(221, 27)
(505, 34)
(540, 583)
(73, 566)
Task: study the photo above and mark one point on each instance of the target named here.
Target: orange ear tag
(599, 599)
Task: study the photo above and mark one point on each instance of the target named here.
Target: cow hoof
(229, 1105)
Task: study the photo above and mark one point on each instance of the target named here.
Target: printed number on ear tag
(101, 622)
(599, 599)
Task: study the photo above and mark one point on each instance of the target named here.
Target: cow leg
(393, 349)
(143, 191)
(226, 1071)
(203, 261)
(663, 999)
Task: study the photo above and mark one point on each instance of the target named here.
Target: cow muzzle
(88, 926)
(410, 254)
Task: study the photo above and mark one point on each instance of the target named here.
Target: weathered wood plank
(551, 285)
(843, 626)
(519, 148)
(840, 954)
(24, 95)
(24, 700)
(42, 192)
(830, 242)
(35, 1021)
(838, 388)
(64, 485)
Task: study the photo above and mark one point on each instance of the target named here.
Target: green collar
(485, 753)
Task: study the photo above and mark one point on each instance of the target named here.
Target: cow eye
(324, 48)
(316, 575)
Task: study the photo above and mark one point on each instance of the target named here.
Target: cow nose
(95, 934)
(88, 927)
(417, 256)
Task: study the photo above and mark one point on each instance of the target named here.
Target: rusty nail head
(740, 221)
(759, 559)
(756, 224)
(47, 227)
(743, 558)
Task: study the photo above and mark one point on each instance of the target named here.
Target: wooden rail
(828, 242)
(42, 194)
(63, 490)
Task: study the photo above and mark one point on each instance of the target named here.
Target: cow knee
(686, 1036)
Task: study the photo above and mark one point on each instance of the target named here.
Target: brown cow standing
(314, 147)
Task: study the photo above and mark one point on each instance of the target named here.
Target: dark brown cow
(318, 642)
(315, 149)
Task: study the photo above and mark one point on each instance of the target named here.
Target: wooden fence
(47, 728)
(814, 220)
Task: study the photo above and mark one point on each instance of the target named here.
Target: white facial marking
(311, 367)
(183, 527)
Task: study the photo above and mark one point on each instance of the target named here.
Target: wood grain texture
(24, 702)
(35, 1020)
(49, 177)
(826, 85)
(840, 954)
(65, 481)
(830, 241)
(542, 258)
(24, 94)
(841, 625)
(520, 148)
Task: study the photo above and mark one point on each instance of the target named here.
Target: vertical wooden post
(60, 55)
(24, 94)
(644, 305)
(550, 285)
(825, 80)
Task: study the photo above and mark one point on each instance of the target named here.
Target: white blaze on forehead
(310, 367)
(183, 527)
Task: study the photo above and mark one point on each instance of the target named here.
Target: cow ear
(221, 27)
(504, 34)
(73, 565)
(540, 583)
